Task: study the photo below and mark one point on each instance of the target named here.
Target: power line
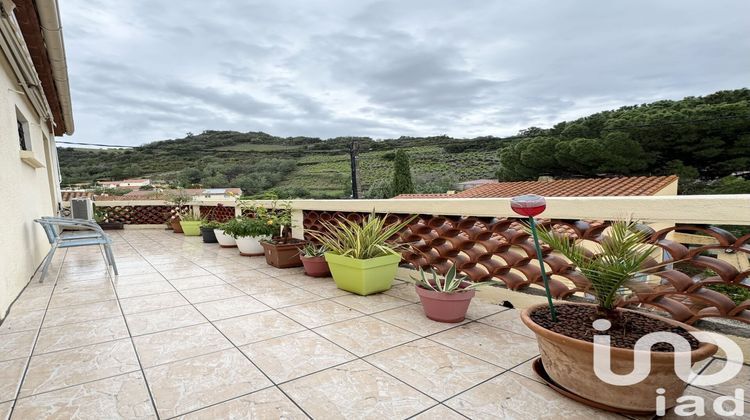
(93, 144)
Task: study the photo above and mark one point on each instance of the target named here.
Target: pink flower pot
(316, 266)
(445, 307)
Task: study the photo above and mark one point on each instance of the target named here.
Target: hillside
(703, 139)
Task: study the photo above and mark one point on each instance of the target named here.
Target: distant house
(198, 194)
(125, 183)
(592, 187)
(220, 193)
(462, 186)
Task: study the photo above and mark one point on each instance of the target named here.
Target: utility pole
(353, 162)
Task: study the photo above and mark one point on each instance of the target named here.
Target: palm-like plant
(361, 240)
(617, 260)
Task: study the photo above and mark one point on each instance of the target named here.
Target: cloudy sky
(148, 70)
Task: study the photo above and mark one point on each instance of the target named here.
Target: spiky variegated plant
(611, 266)
(362, 240)
(451, 283)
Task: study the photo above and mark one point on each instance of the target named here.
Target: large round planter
(208, 235)
(176, 227)
(283, 255)
(570, 363)
(224, 240)
(191, 228)
(445, 307)
(363, 277)
(316, 266)
(250, 246)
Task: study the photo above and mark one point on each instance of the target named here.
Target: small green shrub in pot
(190, 222)
(248, 233)
(362, 257)
(207, 230)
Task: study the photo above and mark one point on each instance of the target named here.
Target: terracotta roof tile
(622, 186)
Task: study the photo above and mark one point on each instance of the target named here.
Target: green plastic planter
(363, 277)
(192, 228)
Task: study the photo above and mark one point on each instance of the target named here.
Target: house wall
(27, 193)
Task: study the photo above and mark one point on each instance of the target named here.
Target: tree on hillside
(402, 183)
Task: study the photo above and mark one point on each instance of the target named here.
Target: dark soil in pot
(208, 235)
(574, 321)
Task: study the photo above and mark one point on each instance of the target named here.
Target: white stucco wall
(26, 193)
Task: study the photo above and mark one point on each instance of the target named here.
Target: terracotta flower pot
(570, 363)
(176, 227)
(316, 266)
(224, 240)
(445, 307)
(282, 255)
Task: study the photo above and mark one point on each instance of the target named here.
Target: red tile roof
(622, 186)
(69, 195)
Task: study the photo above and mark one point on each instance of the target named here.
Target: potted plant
(224, 240)
(362, 258)
(248, 233)
(314, 261)
(179, 200)
(446, 299)
(190, 223)
(207, 231)
(566, 345)
(102, 218)
(281, 250)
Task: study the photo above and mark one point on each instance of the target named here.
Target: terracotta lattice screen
(499, 249)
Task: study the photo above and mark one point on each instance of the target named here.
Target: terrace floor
(196, 331)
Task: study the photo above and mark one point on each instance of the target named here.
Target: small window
(24, 140)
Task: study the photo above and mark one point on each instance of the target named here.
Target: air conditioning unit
(82, 208)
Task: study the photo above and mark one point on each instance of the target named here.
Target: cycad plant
(609, 267)
(361, 240)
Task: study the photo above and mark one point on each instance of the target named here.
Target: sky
(142, 71)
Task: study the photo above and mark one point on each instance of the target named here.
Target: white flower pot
(225, 241)
(250, 245)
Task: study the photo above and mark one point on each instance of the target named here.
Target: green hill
(705, 140)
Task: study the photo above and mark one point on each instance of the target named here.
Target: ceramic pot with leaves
(247, 233)
(445, 298)
(314, 261)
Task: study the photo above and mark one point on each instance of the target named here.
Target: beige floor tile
(260, 326)
(190, 384)
(742, 380)
(260, 286)
(228, 308)
(16, 345)
(509, 320)
(324, 287)
(136, 270)
(138, 279)
(5, 410)
(119, 397)
(60, 300)
(29, 301)
(277, 272)
(163, 319)
(709, 412)
(11, 373)
(174, 272)
(356, 390)
(125, 291)
(196, 282)
(295, 355)
(436, 370)
(491, 344)
(439, 412)
(78, 286)
(206, 294)
(480, 309)
(80, 334)
(513, 396)
(365, 335)
(75, 366)
(287, 297)
(181, 343)
(298, 279)
(403, 291)
(82, 277)
(240, 273)
(80, 313)
(526, 369)
(152, 302)
(21, 321)
(266, 404)
(412, 318)
(323, 312)
(371, 304)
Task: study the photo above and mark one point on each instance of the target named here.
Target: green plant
(243, 227)
(277, 215)
(312, 250)
(211, 224)
(737, 293)
(190, 216)
(368, 239)
(401, 183)
(451, 283)
(613, 265)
